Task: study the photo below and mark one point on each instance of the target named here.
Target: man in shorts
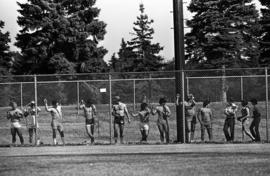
(32, 123)
(205, 117)
(230, 113)
(244, 119)
(164, 113)
(144, 115)
(57, 118)
(119, 111)
(15, 115)
(89, 113)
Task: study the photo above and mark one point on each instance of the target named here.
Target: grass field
(75, 130)
(139, 160)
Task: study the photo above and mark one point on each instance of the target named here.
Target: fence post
(242, 88)
(187, 86)
(21, 91)
(267, 103)
(150, 87)
(183, 107)
(110, 106)
(36, 111)
(134, 95)
(78, 97)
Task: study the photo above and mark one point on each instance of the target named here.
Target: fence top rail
(130, 79)
(127, 73)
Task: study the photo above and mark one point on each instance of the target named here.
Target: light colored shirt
(14, 115)
(189, 108)
(230, 111)
(31, 119)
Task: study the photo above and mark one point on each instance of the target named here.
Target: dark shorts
(119, 120)
(56, 125)
(89, 121)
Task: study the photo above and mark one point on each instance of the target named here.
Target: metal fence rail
(70, 89)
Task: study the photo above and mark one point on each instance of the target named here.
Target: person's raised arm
(46, 105)
(82, 104)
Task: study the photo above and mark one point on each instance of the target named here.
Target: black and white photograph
(135, 87)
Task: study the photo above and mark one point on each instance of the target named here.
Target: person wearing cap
(190, 116)
(164, 113)
(90, 114)
(15, 115)
(57, 118)
(119, 111)
(32, 123)
(256, 115)
(230, 113)
(244, 119)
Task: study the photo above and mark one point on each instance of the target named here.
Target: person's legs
(13, 134)
(31, 131)
(232, 124)
(257, 123)
(202, 132)
(54, 136)
(60, 129)
(209, 131)
(192, 128)
(121, 128)
(187, 129)
(19, 132)
(225, 130)
(245, 127)
(115, 131)
(161, 132)
(251, 128)
(167, 134)
(92, 131)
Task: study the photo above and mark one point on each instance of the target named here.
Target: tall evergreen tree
(58, 33)
(140, 54)
(224, 33)
(265, 40)
(5, 59)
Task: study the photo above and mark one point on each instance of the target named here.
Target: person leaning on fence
(31, 121)
(15, 115)
(90, 116)
(254, 126)
(164, 113)
(244, 119)
(144, 115)
(57, 118)
(230, 113)
(205, 117)
(119, 111)
(190, 116)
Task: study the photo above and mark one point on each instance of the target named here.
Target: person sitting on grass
(15, 115)
(90, 114)
(144, 115)
(254, 126)
(32, 123)
(205, 117)
(244, 119)
(57, 118)
(164, 113)
(230, 112)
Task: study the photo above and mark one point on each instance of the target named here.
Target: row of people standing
(119, 110)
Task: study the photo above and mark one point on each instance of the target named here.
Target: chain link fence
(215, 85)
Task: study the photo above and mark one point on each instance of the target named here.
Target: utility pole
(179, 66)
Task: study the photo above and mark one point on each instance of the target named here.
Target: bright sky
(119, 16)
